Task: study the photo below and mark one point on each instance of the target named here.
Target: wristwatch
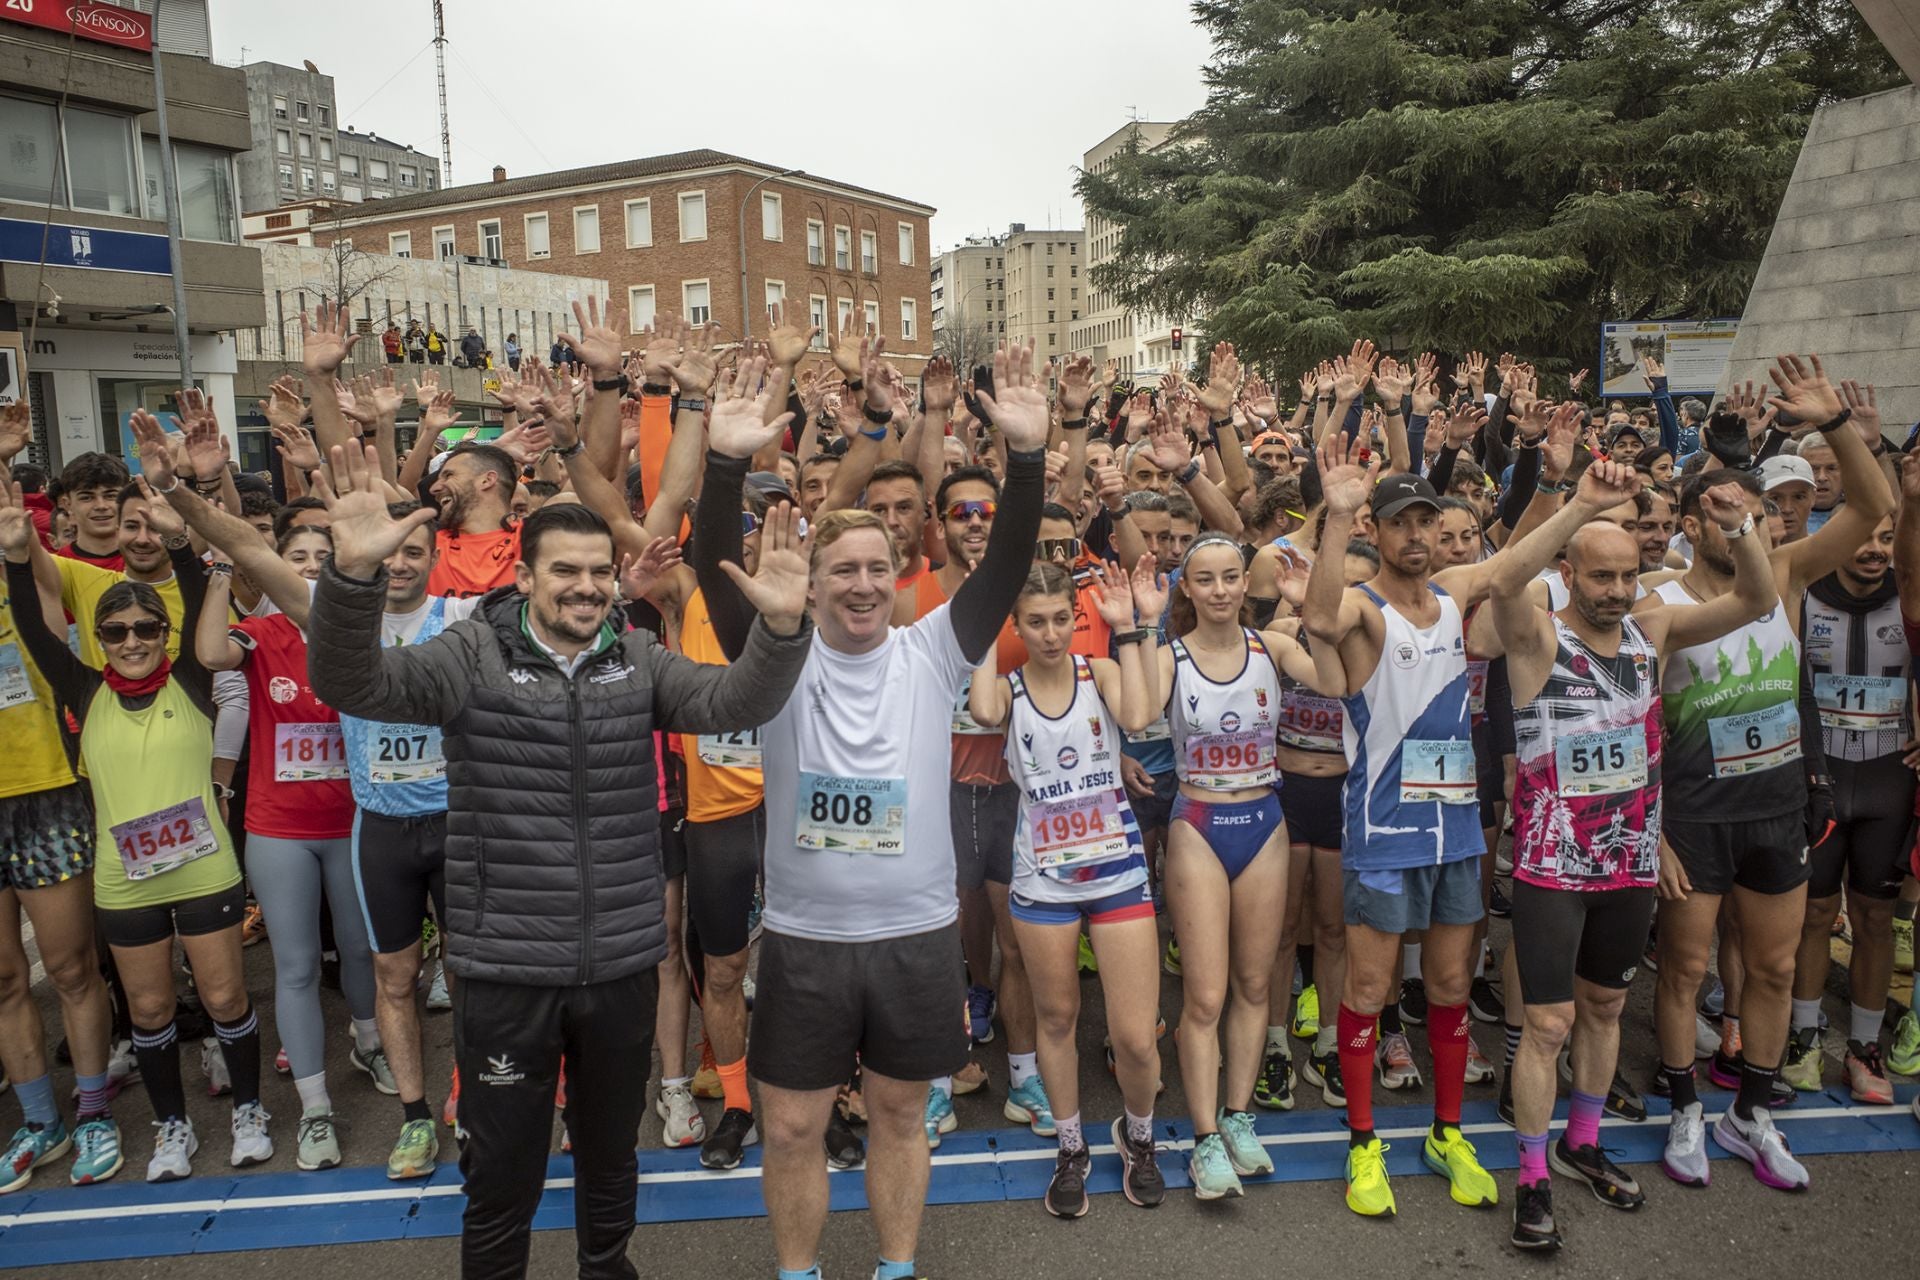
(1835, 423)
(1193, 470)
(616, 383)
(578, 446)
(1745, 528)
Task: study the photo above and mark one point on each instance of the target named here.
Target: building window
(817, 313)
(490, 240)
(326, 115)
(326, 150)
(586, 229)
(286, 176)
(283, 142)
(538, 246)
(906, 244)
(351, 191)
(305, 141)
(1074, 271)
(693, 216)
(306, 178)
(409, 176)
(400, 244)
(1049, 295)
(639, 223)
(869, 252)
(279, 106)
(300, 112)
(349, 165)
(776, 296)
(443, 243)
(872, 312)
(1049, 271)
(1049, 317)
(326, 182)
(377, 170)
(816, 243)
(640, 308)
(208, 210)
(909, 312)
(771, 225)
(99, 161)
(842, 249)
(695, 298)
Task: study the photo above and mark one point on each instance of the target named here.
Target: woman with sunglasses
(165, 865)
(1227, 849)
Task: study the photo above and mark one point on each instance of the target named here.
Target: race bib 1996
(1230, 761)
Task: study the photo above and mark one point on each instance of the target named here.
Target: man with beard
(897, 493)
(1654, 530)
(477, 544)
(1585, 682)
(1857, 652)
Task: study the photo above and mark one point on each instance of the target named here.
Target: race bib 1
(1442, 771)
(406, 753)
(737, 750)
(1602, 762)
(15, 689)
(851, 815)
(1079, 830)
(1231, 761)
(1311, 722)
(160, 842)
(308, 753)
(1754, 740)
(1848, 702)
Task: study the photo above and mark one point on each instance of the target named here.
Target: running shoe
(1453, 1157)
(969, 1079)
(1067, 1190)
(1274, 1088)
(1323, 1069)
(1905, 1058)
(1171, 962)
(940, 1118)
(1027, 1104)
(439, 999)
(1761, 1145)
(33, 1145)
(429, 937)
(96, 1151)
(1413, 1001)
(1113, 1064)
(1805, 1061)
(1086, 962)
(1210, 1170)
(1724, 1070)
(1503, 861)
(1533, 1228)
(450, 1111)
(1714, 1003)
(747, 990)
(213, 1065)
(374, 1063)
(755, 914)
(1867, 1075)
(252, 1144)
(725, 1146)
(1140, 1178)
(1611, 1184)
(123, 1067)
(319, 1141)
(414, 1151)
(1394, 1054)
(1306, 1013)
(253, 925)
(1685, 1159)
(1624, 1101)
(1369, 1194)
(281, 1064)
(1706, 1037)
(1498, 905)
(980, 1009)
(682, 1125)
(706, 1081)
(1902, 945)
(1504, 1108)
(845, 1150)
(173, 1149)
(1483, 1003)
(1244, 1148)
(1479, 1069)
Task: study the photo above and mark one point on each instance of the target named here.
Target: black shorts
(46, 837)
(673, 842)
(1155, 811)
(1872, 830)
(897, 1005)
(723, 865)
(187, 918)
(399, 866)
(1315, 808)
(983, 821)
(1765, 855)
(1597, 935)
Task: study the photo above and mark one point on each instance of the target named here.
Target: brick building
(665, 232)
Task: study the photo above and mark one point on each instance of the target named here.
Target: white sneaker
(437, 995)
(685, 1126)
(123, 1068)
(1479, 1070)
(1706, 1038)
(1686, 1156)
(1762, 1146)
(251, 1142)
(173, 1148)
(213, 1065)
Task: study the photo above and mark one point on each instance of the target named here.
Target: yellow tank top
(29, 717)
(723, 769)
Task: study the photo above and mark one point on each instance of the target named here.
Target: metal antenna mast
(440, 60)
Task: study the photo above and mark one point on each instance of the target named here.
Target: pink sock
(1533, 1158)
(1583, 1120)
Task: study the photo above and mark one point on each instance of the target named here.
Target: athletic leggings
(287, 878)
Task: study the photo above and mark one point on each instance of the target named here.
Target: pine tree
(1494, 174)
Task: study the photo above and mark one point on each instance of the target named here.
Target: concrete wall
(1841, 275)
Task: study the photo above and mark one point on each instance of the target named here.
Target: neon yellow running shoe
(1905, 1057)
(1453, 1158)
(1368, 1192)
(1171, 960)
(1306, 1013)
(1902, 945)
(1087, 963)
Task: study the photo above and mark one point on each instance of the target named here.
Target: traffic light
(1176, 337)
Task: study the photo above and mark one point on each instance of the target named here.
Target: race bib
(737, 750)
(1477, 687)
(1230, 761)
(1850, 702)
(1441, 771)
(963, 721)
(406, 753)
(160, 842)
(15, 689)
(1311, 722)
(1077, 831)
(308, 753)
(851, 815)
(1158, 731)
(1602, 762)
(1754, 740)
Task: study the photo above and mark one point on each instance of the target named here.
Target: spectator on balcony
(436, 346)
(390, 343)
(416, 342)
(472, 347)
(513, 352)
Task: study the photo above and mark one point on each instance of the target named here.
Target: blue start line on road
(213, 1213)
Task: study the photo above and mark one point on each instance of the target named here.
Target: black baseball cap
(1398, 492)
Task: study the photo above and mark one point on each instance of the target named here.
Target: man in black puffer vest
(554, 890)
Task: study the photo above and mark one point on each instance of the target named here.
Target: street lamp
(745, 329)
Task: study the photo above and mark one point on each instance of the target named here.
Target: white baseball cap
(1784, 469)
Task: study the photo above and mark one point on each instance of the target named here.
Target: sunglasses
(145, 629)
(749, 523)
(963, 511)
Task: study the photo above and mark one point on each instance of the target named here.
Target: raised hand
(1426, 378)
(847, 354)
(1260, 400)
(1392, 382)
(527, 440)
(1726, 506)
(1292, 572)
(640, 575)
(660, 349)
(1577, 381)
(1113, 596)
(326, 341)
(1864, 400)
(1805, 393)
(788, 343)
(1608, 484)
(427, 383)
(16, 429)
(383, 395)
(1149, 590)
(693, 366)
(1019, 407)
(938, 387)
(882, 384)
(1110, 485)
(437, 414)
(296, 448)
(736, 427)
(1464, 425)
(1556, 453)
(207, 449)
(1223, 381)
(778, 588)
(16, 524)
(1348, 470)
(1651, 366)
(1910, 477)
(156, 452)
(1076, 387)
(598, 346)
(364, 535)
(1473, 375)
(1167, 445)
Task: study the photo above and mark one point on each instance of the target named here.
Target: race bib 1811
(308, 753)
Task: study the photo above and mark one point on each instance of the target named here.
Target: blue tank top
(398, 770)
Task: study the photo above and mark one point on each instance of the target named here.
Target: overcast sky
(981, 109)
